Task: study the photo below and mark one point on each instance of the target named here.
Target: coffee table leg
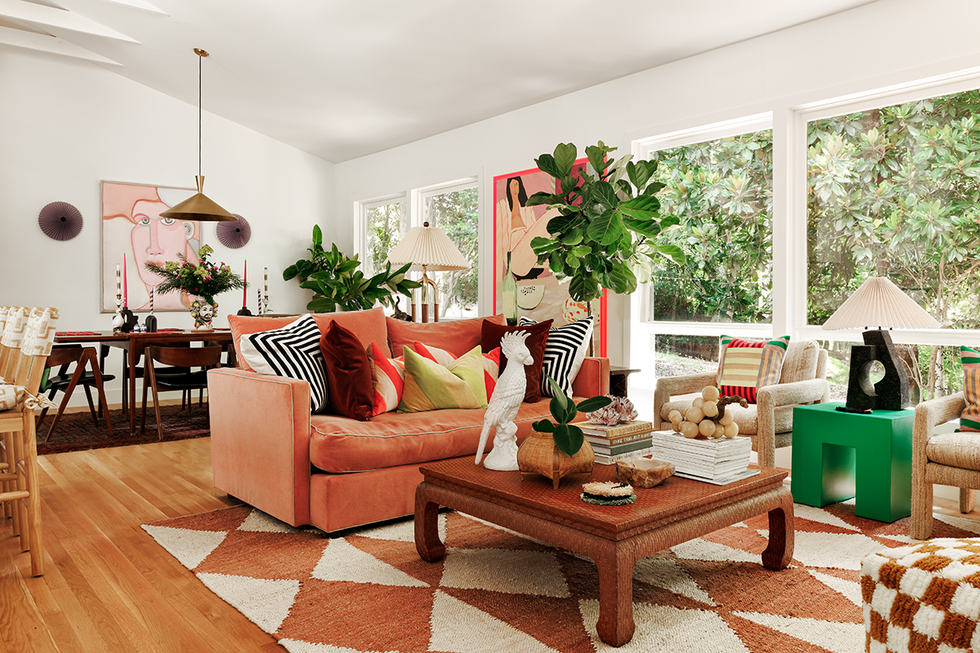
(427, 542)
(782, 534)
(615, 626)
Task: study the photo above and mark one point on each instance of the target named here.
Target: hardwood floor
(107, 585)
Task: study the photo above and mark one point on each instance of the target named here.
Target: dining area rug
(77, 431)
(499, 591)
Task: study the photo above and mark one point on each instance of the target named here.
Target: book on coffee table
(719, 461)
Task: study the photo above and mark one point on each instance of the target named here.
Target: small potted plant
(559, 448)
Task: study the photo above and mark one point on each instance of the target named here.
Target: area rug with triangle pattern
(499, 592)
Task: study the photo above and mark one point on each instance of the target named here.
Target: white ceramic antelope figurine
(504, 404)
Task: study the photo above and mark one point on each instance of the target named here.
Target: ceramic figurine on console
(505, 403)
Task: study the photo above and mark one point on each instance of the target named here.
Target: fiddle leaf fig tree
(608, 221)
(337, 283)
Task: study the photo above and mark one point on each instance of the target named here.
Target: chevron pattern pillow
(970, 359)
(564, 353)
(292, 351)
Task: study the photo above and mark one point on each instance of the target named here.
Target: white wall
(888, 42)
(67, 125)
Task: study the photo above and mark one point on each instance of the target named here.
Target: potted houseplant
(338, 284)
(204, 280)
(557, 448)
(605, 230)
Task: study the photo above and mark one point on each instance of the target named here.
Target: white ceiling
(345, 78)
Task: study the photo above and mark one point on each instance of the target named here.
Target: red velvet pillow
(492, 333)
(350, 380)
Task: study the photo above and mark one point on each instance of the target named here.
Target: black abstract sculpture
(891, 392)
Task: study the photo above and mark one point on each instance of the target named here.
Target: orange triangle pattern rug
(496, 591)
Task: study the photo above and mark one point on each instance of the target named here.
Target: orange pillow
(456, 336)
(492, 333)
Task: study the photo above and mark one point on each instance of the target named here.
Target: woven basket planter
(539, 455)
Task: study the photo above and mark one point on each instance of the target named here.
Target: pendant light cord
(200, 69)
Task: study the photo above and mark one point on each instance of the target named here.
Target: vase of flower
(201, 282)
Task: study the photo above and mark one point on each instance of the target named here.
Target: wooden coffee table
(614, 537)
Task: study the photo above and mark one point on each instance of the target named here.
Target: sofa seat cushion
(340, 444)
(955, 450)
(746, 418)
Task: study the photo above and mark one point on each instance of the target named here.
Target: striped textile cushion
(563, 353)
(491, 362)
(970, 359)
(744, 366)
(292, 351)
(389, 380)
(431, 386)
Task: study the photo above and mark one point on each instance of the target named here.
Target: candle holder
(150, 323)
(244, 311)
(129, 320)
(117, 318)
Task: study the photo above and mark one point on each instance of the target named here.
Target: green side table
(839, 455)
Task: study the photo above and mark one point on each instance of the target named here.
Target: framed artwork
(133, 233)
(540, 295)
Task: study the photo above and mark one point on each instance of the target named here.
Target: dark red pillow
(492, 333)
(349, 376)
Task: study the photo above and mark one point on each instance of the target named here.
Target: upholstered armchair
(803, 380)
(943, 458)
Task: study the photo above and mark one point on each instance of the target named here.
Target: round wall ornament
(60, 221)
(234, 234)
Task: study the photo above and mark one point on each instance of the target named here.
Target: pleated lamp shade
(880, 304)
(428, 247)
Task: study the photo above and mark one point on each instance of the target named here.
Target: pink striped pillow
(389, 380)
(491, 362)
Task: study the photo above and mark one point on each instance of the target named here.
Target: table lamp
(876, 306)
(428, 248)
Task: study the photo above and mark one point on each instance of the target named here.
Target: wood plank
(107, 585)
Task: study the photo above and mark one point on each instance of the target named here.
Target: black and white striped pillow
(292, 351)
(564, 353)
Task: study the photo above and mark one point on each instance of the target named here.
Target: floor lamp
(428, 248)
(878, 303)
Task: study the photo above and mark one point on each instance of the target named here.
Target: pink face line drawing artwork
(132, 224)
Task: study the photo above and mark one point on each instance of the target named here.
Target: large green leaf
(542, 245)
(606, 229)
(548, 164)
(593, 403)
(564, 158)
(604, 193)
(672, 251)
(542, 198)
(621, 279)
(638, 173)
(568, 438)
(317, 236)
(642, 207)
(583, 287)
(544, 426)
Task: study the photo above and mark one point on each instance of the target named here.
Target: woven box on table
(923, 598)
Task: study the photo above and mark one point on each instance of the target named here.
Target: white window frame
(361, 209)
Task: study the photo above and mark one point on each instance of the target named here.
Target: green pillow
(431, 386)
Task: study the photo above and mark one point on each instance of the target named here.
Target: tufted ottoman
(923, 598)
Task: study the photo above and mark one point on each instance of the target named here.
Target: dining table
(135, 342)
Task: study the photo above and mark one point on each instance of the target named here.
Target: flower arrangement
(205, 280)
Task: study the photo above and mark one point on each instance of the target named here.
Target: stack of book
(619, 442)
(712, 461)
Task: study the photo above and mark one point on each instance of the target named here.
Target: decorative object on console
(536, 343)
(60, 221)
(620, 409)
(564, 352)
(234, 235)
(428, 248)
(337, 283)
(878, 302)
(204, 280)
(292, 351)
(557, 449)
(504, 404)
(608, 493)
(199, 206)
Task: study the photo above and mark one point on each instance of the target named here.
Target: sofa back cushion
(369, 326)
(800, 363)
(455, 336)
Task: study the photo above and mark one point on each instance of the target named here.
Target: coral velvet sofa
(335, 472)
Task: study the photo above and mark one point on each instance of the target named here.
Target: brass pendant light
(199, 207)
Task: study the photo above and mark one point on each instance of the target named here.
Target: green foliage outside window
(457, 213)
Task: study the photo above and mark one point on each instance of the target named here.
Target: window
(453, 207)
(893, 190)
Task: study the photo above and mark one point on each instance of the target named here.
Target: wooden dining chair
(87, 373)
(33, 346)
(203, 358)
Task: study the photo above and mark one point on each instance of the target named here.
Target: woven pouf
(923, 598)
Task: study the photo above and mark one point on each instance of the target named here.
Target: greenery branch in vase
(204, 280)
(605, 233)
(558, 448)
(338, 284)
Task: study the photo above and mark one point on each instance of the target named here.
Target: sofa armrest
(593, 378)
(813, 391)
(929, 415)
(670, 386)
(260, 441)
